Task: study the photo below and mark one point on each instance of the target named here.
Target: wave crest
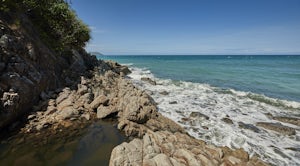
(225, 117)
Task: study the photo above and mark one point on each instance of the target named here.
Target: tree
(58, 23)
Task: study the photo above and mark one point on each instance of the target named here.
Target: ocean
(199, 92)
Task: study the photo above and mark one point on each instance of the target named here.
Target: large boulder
(100, 100)
(166, 148)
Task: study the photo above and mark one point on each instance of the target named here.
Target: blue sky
(147, 27)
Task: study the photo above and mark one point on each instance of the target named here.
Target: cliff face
(29, 68)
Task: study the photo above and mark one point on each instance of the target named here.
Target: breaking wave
(226, 117)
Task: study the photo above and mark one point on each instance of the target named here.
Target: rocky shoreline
(155, 139)
(74, 90)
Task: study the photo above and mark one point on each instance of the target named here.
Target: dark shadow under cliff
(29, 67)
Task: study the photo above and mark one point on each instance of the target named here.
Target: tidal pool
(90, 145)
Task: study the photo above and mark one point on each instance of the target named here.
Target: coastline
(154, 138)
(60, 95)
(62, 106)
(267, 128)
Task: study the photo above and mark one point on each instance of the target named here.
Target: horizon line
(198, 54)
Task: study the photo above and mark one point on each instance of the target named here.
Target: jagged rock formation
(156, 139)
(72, 87)
(28, 68)
(176, 149)
(106, 95)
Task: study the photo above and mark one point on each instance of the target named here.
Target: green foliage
(58, 24)
(5, 5)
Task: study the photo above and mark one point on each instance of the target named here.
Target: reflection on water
(76, 146)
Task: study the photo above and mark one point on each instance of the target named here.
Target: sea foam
(200, 108)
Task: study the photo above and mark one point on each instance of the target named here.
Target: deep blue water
(273, 76)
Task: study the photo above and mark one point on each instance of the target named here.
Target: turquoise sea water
(273, 76)
(245, 89)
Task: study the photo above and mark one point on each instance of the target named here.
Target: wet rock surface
(149, 80)
(291, 120)
(295, 120)
(278, 127)
(164, 93)
(82, 90)
(155, 138)
(227, 120)
(198, 115)
(249, 127)
(173, 102)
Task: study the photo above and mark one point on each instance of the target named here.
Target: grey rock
(63, 95)
(44, 96)
(39, 127)
(124, 70)
(82, 89)
(164, 93)
(127, 154)
(4, 41)
(198, 115)
(15, 59)
(42, 125)
(67, 113)
(291, 120)
(233, 160)
(278, 127)
(2, 66)
(10, 100)
(85, 100)
(119, 69)
(173, 102)
(66, 103)
(98, 101)
(249, 127)
(69, 81)
(86, 116)
(78, 63)
(149, 80)
(104, 112)
(227, 120)
(84, 81)
(162, 159)
(35, 76)
(20, 67)
(166, 148)
(50, 110)
(32, 54)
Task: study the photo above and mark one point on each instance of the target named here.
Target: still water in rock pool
(71, 146)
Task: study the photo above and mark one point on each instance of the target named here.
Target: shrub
(62, 22)
(57, 23)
